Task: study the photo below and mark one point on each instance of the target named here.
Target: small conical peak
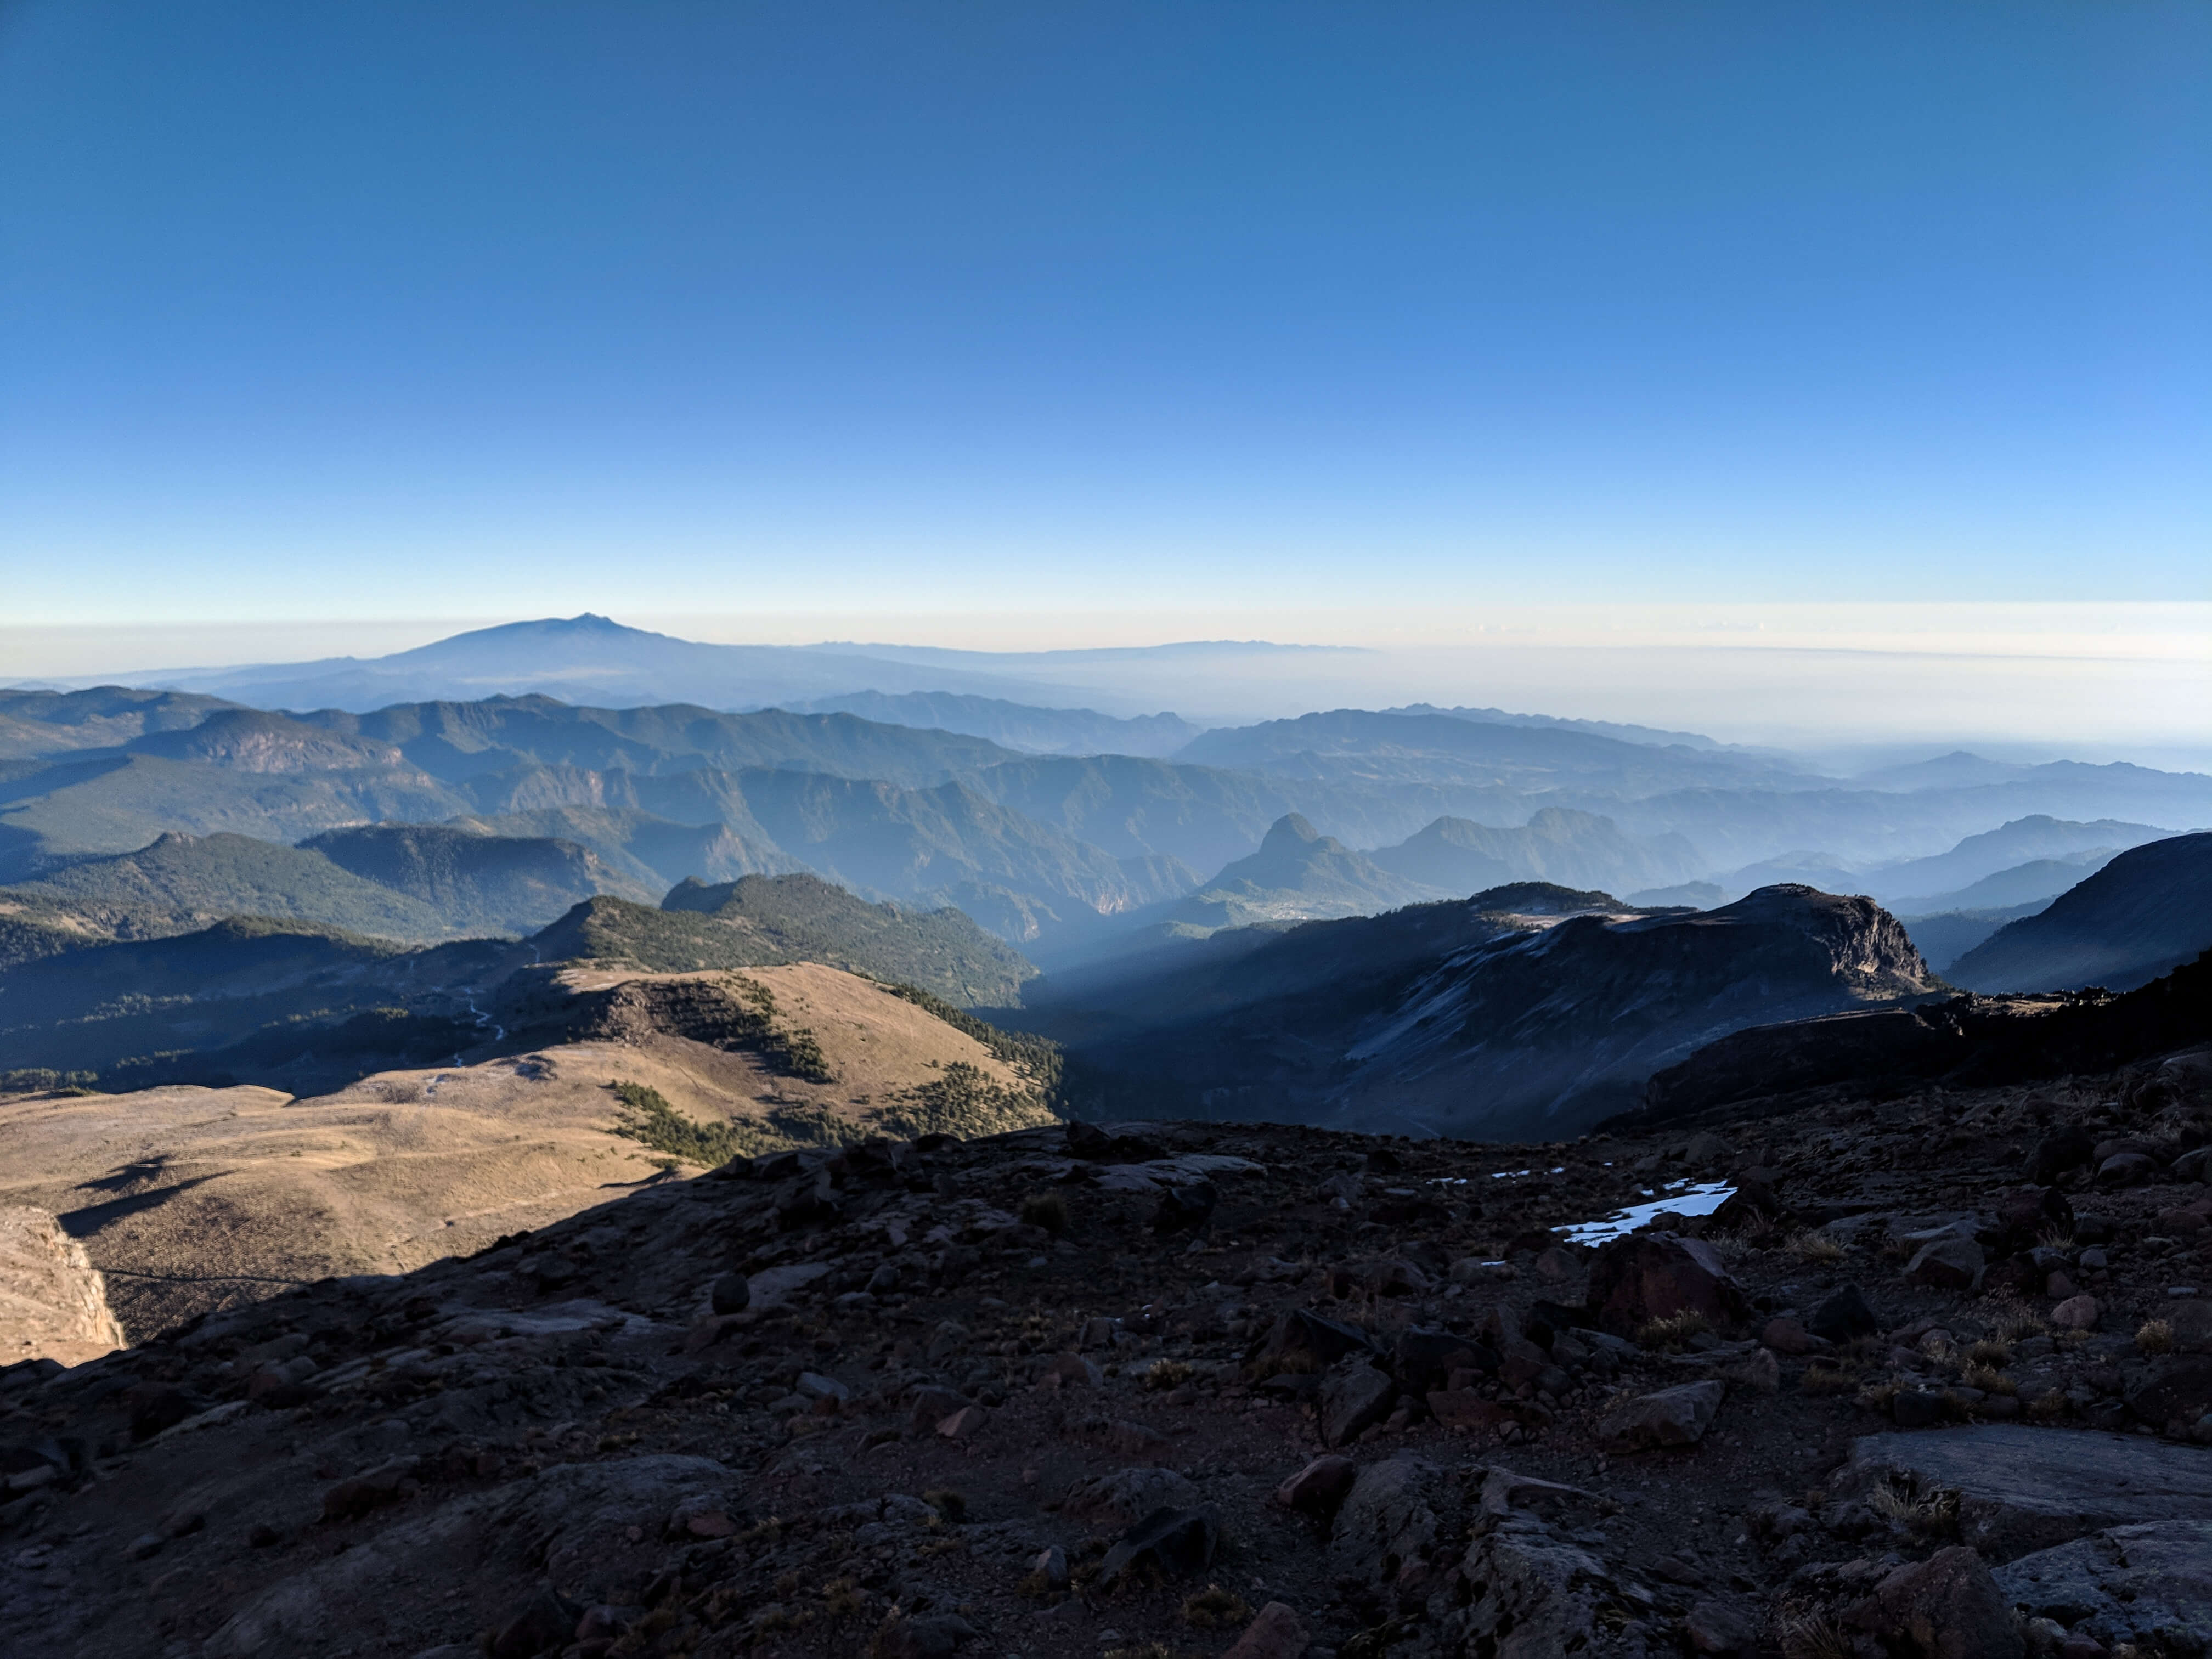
(1288, 830)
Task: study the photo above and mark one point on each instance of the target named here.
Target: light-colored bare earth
(191, 1199)
(54, 1303)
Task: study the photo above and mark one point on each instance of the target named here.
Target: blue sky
(351, 311)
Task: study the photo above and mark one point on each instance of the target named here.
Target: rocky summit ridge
(1927, 1375)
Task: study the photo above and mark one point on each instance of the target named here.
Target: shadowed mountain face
(2145, 912)
(1483, 1024)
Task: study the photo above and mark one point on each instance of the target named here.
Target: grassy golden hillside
(191, 1198)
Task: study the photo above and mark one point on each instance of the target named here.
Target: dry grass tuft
(1168, 1374)
(1813, 1636)
(1675, 1330)
(1215, 1608)
(2154, 1336)
(1813, 1247)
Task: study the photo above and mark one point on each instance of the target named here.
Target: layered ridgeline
(300, 1007)
(1039, 845)
(1485, 1018)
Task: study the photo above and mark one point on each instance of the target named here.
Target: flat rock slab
(2022, 1488)
(2131, 1583)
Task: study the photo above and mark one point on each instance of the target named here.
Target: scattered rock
(924, 1635)
(1127, 1496)
(731, 1293)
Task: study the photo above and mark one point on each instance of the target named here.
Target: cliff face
(53, 1304)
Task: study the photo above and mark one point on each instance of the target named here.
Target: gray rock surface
(2023, 1488)
(2134, 1583)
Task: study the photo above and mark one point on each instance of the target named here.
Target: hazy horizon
(1851, 685)
(1824, 376)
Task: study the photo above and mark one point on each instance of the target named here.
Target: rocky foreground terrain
(1934, 1378)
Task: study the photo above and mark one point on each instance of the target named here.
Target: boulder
(2191, 1320)
(2127, 1169)
(1724, 1627)
(2062, 1149)
(1790, 1336)
(1641, 1277)
(1386, 1518)
(1425, 1360)
(1351, 1401)
(731, 1293)
(1318, 1488)
(2077, 1312)
(1948, 1606)
(2025, 1488)
(1187, 1208)
(931, 1407)
(1167, 1544)
(2022, 1216)
(543, 1620)
(1303, 1340)
(1275, 1633)
(1672, 1417)
(1949, 1264)
(1539, 1594)
(2149, 1584)
(1463, 1409)
(1843, 1315)
(2175, 1394)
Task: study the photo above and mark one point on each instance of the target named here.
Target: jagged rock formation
(53, 1304)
